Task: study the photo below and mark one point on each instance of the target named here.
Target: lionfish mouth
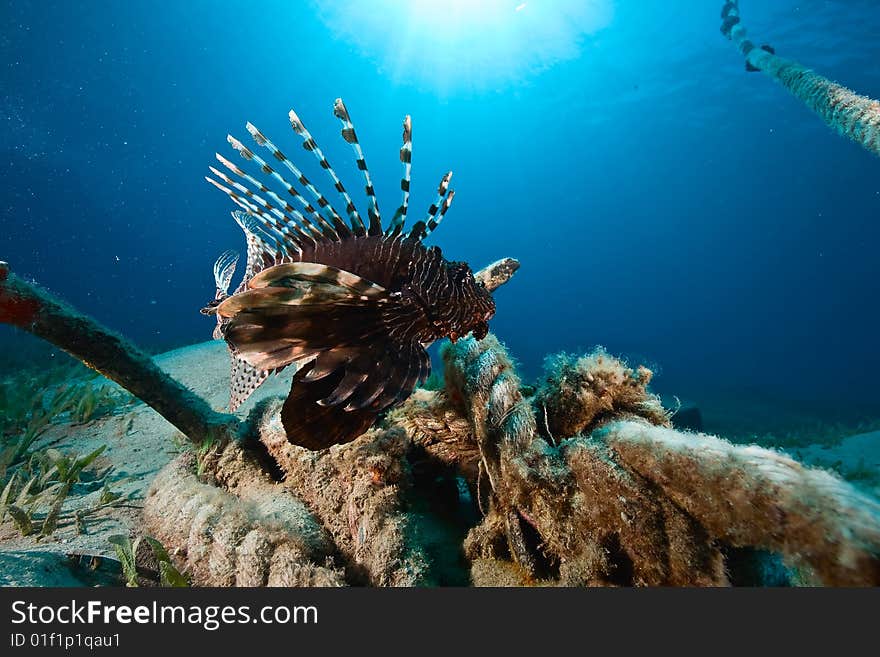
(351, 304)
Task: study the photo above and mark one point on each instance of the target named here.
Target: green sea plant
(16, 403)
(27, 410)
(49, 394)
(36, 482)
(15, 449)
(127, 553)
(860, 472)
(95, 402)
(35, 490)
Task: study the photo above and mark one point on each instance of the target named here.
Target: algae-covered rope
(629, 495)
(850, 114)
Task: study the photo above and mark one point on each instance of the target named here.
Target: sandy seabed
(139, 443)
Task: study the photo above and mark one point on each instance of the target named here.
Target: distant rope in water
(852, 115)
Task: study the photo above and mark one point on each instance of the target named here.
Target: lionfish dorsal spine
(282, 229)
(282, 205)
(350, 136)
(399, 219)
(304, 229)
(308, 220)
(421, 229)
(325, 215)
(324, 219)
(290, 223)
(437, 217)
(269, 229)
(309, 143)
(437, 211)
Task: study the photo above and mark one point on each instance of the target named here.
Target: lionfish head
(475, 305)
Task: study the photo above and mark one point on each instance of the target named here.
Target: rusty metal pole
(31, 309)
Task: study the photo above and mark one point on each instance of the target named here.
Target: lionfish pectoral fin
(297, 311)
(413, 366)
(298, 274)
(302, 284)
(340, 329)
(313, 426)
(378, 375)
(385, 376)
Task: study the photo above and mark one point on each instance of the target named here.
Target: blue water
(663, 202)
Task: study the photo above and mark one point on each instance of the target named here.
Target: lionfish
(352, 305)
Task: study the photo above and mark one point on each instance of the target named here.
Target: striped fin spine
(267, 229)
(294, 224)
(399, 218)
(281, 203)
(438, 209)
(327, 216)
(322, 221)
(311, 222)
(309, 143)
(348, 133)
(438, 216)
(285, 243)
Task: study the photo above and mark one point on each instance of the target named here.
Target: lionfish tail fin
(397, 223)
(350, 136)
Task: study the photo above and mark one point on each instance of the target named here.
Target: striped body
(351, 304)
(445, 299)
